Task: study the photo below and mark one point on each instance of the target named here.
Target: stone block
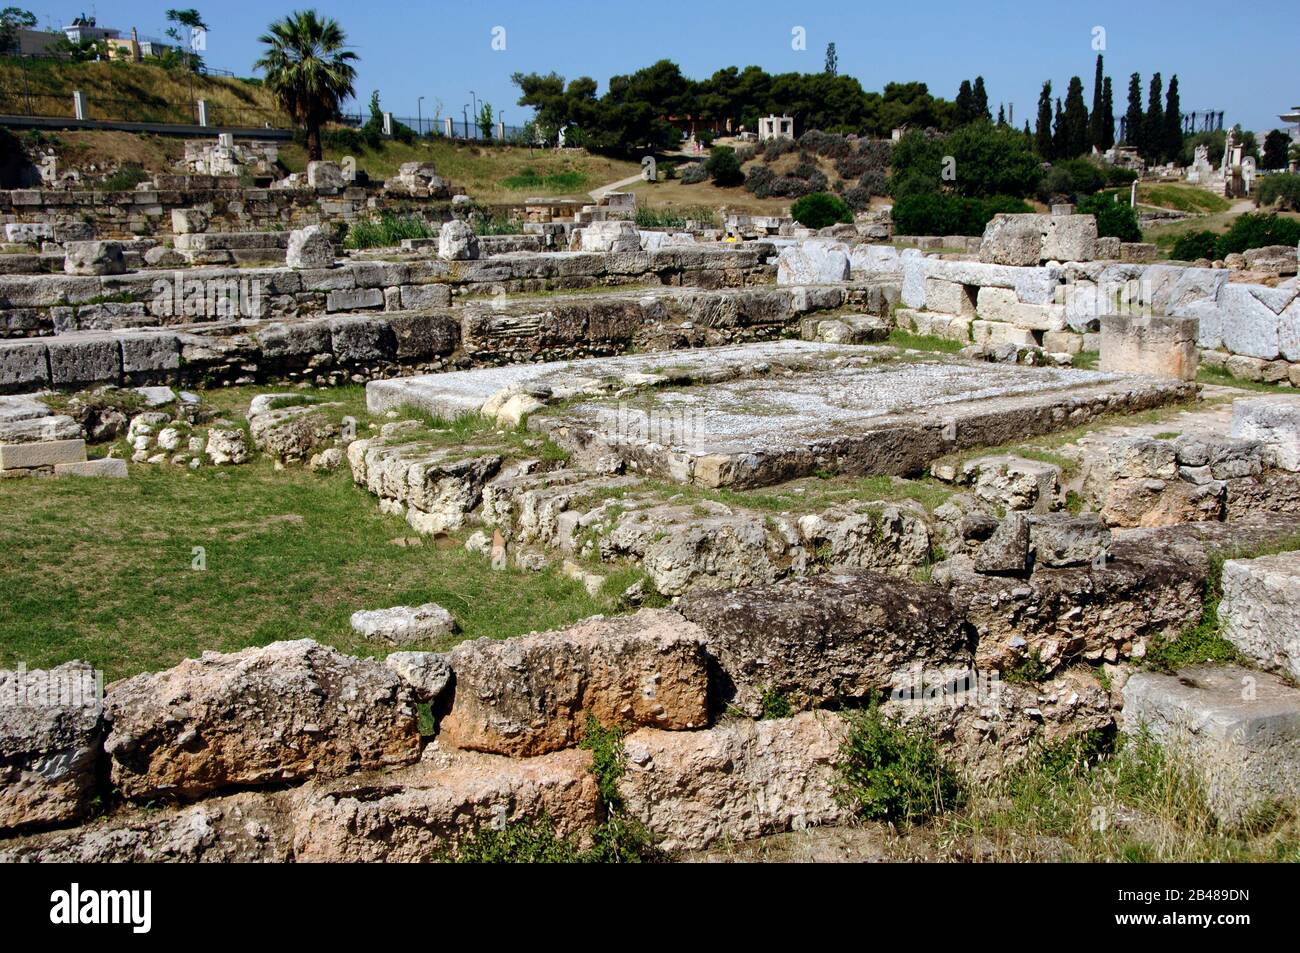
(1070, 238)
(76, 362)
(1250, 327)
(23, 366)
(948, 297)
(1260, 610)
(94, 258)
(1238, 729)
(146, 353)
(357, 340)
(1274, 423)
(826, 638)
(533, 694)
(50, 728)
(815, 261)
(46, 453)
(1159, 346)
(1001, 304)
(1014, 239)
(356, 299)
(113, 467)
(310, 248)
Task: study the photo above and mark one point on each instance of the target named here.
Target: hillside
(131, 91)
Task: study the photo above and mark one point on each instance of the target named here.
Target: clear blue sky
(1240, 57)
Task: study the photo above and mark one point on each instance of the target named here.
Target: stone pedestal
(1159, 346)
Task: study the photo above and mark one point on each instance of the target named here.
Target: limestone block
(1260, 610)
(1238, 728)
(948, 297)
(1159, 346)
(1275, 423)
(25, 456)
(112, 467)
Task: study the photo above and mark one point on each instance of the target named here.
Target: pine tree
(980, 100)
(1098, 115)
(964, 110)
(1173, 136)
(1108, 116)
(1153, 131)
(1076, 120)
(1133, 116)
(1043, 131)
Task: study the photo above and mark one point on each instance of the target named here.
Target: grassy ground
(104, 570)
(493, 175)
(1181, 198)
(137, 91)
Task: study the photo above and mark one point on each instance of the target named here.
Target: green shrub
(518, 843)
(946, 214)
(1117, 176)
(1194, 245)
(694, 172)
(386, 231)
(723, 167)
(1255, 230)
(1072, 178)
(820, 209)
(125, 179)
(1280, 190)
(893, 772)
(1114, 219)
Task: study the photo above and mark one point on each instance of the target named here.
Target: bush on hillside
(723, 167)
(1195, 245)
(947, 214)
(1255, 230)
(820, 209)
(1280, 190)
(693, 172)
(1072, 179)
(1114, 219)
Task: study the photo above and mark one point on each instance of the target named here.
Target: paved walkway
(599, 193)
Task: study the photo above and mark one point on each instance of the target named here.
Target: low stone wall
(1251, 330)
(322, 758)
(426, 336)
(33, 305)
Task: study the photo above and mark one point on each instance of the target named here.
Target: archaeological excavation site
(729, 504)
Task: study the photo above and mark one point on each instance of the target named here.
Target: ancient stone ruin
(818, 509)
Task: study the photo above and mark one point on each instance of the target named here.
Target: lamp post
(464, 114)
(419, 116)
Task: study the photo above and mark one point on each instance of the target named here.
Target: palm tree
(308, 70)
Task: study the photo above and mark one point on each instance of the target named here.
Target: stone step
(113, 467)
(45, 453)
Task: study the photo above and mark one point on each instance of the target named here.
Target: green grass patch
(103, 570)
(1182, 198)
(923, 342)
(1224, 378)
(387, 230)
(1086, 360)
(569, 180)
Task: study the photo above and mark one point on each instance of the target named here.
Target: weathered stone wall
(322, 759)
(114, 342)
(1250, 330)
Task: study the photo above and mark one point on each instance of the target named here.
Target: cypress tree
(1002, 115)
(1076, 120)
(1108, 116)
(965, 110)
(1098, 114)
(1153, 132)
(1043, 131)
(980, 100)
(1173, 137)
(1060, 134)
(1133, 116)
